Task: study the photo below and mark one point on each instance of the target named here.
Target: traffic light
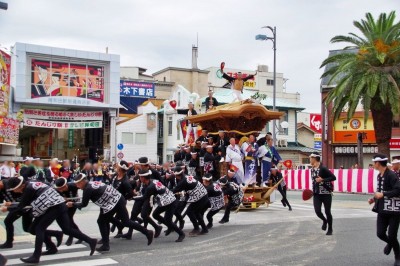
(3, 6)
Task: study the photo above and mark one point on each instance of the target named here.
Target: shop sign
(136, 89)
(62, 115)
(62, 125)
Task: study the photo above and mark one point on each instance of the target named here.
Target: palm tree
(368, 72)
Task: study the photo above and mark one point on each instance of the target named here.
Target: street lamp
(263, 37)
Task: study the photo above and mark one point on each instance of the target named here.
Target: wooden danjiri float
(239, 120)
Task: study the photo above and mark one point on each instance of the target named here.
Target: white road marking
(97, 262)
(61, 256)
(30, 250)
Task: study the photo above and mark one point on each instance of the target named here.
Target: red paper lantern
(173, 104)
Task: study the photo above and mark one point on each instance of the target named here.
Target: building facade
(68, 99)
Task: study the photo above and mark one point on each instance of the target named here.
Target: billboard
(9, 131)
(53, 79)
(136, 89)
(5, 64)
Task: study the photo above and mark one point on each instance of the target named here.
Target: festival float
(240, 119)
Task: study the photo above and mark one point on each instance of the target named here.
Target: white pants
(188, 131)
(237, 95)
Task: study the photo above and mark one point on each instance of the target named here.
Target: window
(270, 82)
(160, 126)
(305, 160)
(169, 128)
(127, 138)
(140, 138)
(169, 158)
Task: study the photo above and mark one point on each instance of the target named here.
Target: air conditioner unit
(282, 143)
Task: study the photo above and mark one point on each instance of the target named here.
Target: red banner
(5, 64)
(316, 122)
(184, 130)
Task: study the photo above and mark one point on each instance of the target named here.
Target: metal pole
(274, 89)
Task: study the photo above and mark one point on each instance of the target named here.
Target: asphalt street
(269, 235)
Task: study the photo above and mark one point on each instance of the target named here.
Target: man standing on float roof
(237, 83)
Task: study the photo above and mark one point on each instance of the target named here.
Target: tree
(368, 72)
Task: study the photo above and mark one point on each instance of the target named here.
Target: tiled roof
(225, 96)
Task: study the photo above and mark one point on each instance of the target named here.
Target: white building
(138, 134)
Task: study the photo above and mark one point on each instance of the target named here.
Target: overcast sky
(155, 34)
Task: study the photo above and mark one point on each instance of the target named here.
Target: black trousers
(12, 216)
(326, 200)
(386, 229)
(40, 224)
(180, 206)
(136, 209)
(169, 211)
(282, 190)
(145, 213)
(228, 209)
(210, 215)
(120, 210)
(196, 211)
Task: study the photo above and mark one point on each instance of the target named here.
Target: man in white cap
(235, 157)
(387, 206)
(396, 167)
(322, 180)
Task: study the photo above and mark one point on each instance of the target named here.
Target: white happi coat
(234, 156)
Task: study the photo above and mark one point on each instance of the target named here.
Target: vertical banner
(70, 138)
(184, 132)
(5, 64)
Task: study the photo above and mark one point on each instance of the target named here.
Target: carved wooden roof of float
(241, 117)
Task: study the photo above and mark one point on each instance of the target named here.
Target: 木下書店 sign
(63, 115)
(63, 125)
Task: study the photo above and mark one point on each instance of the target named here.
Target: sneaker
(158, 232)
(50, 251)
(209, 225)
(69, 241)
(223, 221)
(194, 232)
(103, 248)
(6, 245)
(127, 236)
(324, 225)
(203, 232)
(31, 260)
(150, 236)
(180, 238)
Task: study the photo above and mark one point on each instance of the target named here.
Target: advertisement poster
(9, 131)
(52, 79)
(5, 64)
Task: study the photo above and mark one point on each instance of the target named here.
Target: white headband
(123, 166)
(65, 182)
(146, 174)
(79, 180)
(379, 159)
(21, 180)
(313, 155)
